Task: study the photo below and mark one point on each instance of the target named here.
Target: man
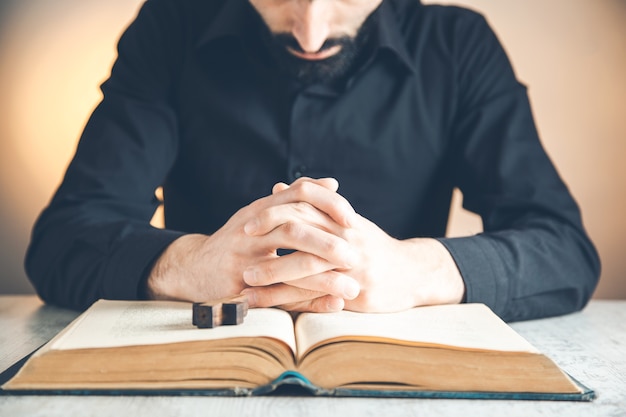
(307, 152)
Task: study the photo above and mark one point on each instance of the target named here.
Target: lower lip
(317, 56)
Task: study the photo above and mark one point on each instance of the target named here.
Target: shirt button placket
(301, 137)
(299, 172)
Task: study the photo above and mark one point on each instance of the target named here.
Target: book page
(129, 323)
(466, 326)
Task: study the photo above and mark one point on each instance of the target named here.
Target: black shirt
(190, 106)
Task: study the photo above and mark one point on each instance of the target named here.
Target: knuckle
(302, 207)
(310, 263)
(334, 247)
(265, 216)
(268, 218)
(293, 231)
(308, 294)
(266, 298)
(303, 190)
(268, 274)
(319, 305)
(326, 304)
(265, 274)
(329, 283)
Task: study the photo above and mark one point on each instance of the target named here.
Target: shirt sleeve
(94, 240)
(534, 258)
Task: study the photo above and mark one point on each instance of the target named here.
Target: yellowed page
(129, 323)
(468, 326)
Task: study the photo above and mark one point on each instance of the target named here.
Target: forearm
(73, 264)
(94, 240)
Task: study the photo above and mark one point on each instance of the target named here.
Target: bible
(152, 348)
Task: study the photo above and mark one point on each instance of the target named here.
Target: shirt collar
(389, 36)
(231, 21)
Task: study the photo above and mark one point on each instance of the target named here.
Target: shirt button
(299, 172)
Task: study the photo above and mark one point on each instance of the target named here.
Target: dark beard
(327, 71)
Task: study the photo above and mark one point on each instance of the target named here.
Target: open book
(145, 347)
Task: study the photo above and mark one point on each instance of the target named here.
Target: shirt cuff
(482, 270)
(133, 260)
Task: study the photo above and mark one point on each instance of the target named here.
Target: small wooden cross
(223, 312)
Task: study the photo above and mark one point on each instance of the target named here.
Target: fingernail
(278, 187)
(349, 219)
(351, 290)
(335, 184)
(250, 276)
(334, 304)
(350, 260)
(251, 227)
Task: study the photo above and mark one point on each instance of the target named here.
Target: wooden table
(590, 345)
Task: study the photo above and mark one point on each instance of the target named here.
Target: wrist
(153, 285)
(443, 282)
(453, 286)
(163, 281)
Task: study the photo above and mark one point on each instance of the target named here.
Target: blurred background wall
(570, 53)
